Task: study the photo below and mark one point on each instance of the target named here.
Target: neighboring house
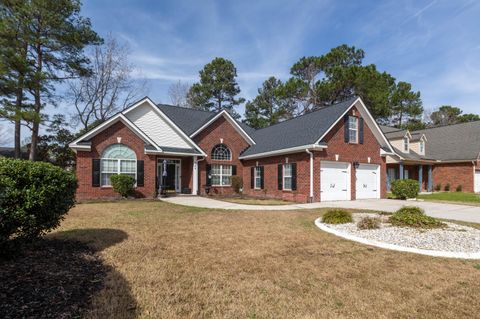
(10, 152)
(436, 156)
(335, 153)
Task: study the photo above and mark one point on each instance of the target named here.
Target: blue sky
(435, 45)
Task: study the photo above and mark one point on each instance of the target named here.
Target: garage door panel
(334, 181)
(367, 185)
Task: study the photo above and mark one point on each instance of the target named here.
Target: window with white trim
(221, 153)
(117, 159)
(287, 177)
(406, 144)
(221, 175)
(258, 177)
(353, 129)
(422, 147)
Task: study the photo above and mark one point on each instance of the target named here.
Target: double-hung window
(117, 159)
(353, 129)
(406, 145)
(422, 147)
(258, 177)
(287, 176)
(221, 175)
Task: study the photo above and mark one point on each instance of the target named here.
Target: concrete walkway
(439, 210)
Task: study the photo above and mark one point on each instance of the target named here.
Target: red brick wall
(211, 136)
(99, 143)
(271, 190)
(455, 174)
(336, 145)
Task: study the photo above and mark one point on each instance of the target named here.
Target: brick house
(436, 157)
(336, 153)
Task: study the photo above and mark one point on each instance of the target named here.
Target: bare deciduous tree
(111, 86)
(178, 92)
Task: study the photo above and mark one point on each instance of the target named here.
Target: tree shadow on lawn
(60, 276)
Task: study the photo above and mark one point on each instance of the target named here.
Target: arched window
(117, 159)
(221, 152)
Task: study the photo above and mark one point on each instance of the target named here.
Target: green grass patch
(469, 198)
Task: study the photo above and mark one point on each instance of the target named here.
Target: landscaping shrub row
(407, 216)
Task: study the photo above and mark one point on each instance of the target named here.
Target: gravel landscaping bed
(453, 238)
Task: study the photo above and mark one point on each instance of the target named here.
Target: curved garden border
(428, 252)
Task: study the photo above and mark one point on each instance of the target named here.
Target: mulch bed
(54, 279)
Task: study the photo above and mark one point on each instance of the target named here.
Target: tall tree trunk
(18, 109)
(35, 127)
(18, 150)
(37, 106)
(18, 126)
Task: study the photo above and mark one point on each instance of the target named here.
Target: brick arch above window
(221, 152)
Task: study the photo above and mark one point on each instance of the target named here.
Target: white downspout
(311, 173)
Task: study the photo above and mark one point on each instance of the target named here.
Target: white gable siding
(156, 128)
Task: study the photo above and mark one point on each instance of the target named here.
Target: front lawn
(458, 197)
(158, 260)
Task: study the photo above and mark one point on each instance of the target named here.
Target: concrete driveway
(439, 210)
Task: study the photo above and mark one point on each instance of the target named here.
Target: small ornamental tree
(405, 188)
(123, 184)
(34, 197)
(237, 184)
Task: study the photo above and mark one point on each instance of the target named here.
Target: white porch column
(195, 176)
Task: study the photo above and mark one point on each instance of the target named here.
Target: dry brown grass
(181, 262)
(254, 201)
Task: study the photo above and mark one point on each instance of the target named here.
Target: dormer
(418, 143)
(406, 142)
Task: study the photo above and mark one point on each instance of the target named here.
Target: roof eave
(295, 149)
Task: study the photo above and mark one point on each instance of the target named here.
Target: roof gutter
(154, 152)
(296, 149)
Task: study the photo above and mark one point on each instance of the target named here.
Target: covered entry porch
(419, 171)
(176, 174)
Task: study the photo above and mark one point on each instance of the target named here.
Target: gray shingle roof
(453, 142)
(188, 120)
(412, 155)
(302, 130)
(444, 143)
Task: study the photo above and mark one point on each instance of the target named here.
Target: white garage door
(334, 181)
(367, 184)
(477, 181)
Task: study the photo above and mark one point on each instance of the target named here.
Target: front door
(168, 174)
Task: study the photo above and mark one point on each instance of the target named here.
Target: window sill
(221, 186)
